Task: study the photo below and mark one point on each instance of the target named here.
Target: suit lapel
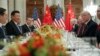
(16, 27)
(87, 27)
(3, 32)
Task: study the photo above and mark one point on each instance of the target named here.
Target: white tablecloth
(81, 47)
(69, 41)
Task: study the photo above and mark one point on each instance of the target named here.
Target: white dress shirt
(0, 25)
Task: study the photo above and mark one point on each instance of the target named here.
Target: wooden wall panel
(77, 6)
(30, 5)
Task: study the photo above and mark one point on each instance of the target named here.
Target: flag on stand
(70, 15)
(59, 20)
(47, 16)
(35, 16)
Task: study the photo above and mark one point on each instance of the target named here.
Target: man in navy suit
(89, 27)
(3, 17)
(28, 26)
(13, 27)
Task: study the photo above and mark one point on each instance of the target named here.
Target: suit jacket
(97, 20)
(90, 29)
(2, 35)
(98, 36)
(12, 29)
(26, 29)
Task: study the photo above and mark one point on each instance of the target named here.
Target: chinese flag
(70, 15)
(47, 16)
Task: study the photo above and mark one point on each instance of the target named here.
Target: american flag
(37, 21)
(59, 20)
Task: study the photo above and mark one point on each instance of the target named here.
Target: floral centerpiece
(45, 41)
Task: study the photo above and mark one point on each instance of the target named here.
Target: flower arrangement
(45, 41)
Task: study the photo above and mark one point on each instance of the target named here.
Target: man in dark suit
(97, 20)
(13, 27)
(28, 26)
(79, 23)
(3, 17)
(89, 27)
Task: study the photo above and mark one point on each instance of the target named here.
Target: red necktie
(81, 30)
(98, 27)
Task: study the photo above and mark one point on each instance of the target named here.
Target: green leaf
(42, 52)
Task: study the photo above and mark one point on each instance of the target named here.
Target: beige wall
(10, 7)
(3, 3)
(19, 5)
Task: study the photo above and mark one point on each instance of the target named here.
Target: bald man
(3, 19)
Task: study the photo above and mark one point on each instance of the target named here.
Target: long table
(77, 46)
(74, 46)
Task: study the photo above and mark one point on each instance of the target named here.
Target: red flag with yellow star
(70, 15)
(47, 16)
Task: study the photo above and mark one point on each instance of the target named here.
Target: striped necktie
(81, 30)
(19, 28)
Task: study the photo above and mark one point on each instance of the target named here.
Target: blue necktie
(20, 28)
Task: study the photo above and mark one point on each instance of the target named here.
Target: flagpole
(46, 2)
(35, 2)
(70, 1)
